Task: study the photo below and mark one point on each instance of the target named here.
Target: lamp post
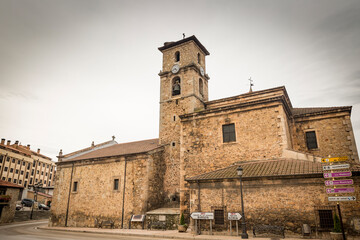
(35, 188)
(244, 235)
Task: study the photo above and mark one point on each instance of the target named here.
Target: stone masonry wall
(259, 135)
(333, 132)
(8, 212)
(96, 198)
(282, 202)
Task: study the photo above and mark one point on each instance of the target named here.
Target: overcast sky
(73, 72)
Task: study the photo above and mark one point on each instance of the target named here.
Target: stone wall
(96, 197)
(334, 135)
(8, 211)
(287, 202)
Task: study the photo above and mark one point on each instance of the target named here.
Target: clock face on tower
(175, 68)
(202, 71)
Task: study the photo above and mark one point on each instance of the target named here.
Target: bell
(176, 89)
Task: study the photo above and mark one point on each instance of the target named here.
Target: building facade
(22, 166)
(191, 166)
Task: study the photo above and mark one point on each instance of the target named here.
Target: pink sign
(339, 190)
(339, 182)
(337, 174)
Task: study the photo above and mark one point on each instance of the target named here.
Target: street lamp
(35, 188)
(244, 235)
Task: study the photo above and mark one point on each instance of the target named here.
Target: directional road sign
(340, 190)
(342, 198)
(337, 174)
(334, 167)
(202, 215)
(234, 216)
(334, 159)
(339, 182)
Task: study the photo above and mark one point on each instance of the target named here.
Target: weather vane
(251, 84)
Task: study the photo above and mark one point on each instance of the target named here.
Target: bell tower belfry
(183, 89)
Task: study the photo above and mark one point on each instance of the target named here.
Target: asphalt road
(28, 230)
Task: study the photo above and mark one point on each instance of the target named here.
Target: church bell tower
(183, 89)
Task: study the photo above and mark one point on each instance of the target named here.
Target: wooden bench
(277, 230)
(157, 225)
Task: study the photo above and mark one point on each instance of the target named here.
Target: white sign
(202, 215)
(334, 167)
(234, 216)
(345, 198)
(137, 218)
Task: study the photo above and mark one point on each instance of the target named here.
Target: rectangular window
(75, 186)
(14, 180)
(27, 175)
(8, 159)
(28, 166)
(34, 164)
(31, 181)
(11, 170)
(25, 183)
(43, 164)
(50, 175)
(32, 172)
(1, 158)
(5, 168)
(22, 172)
(311, 140)
(9, 179)
(16, 171)
(219, 216)
(37, 171)
(36, 180)
(23, 163)
(18, 161)
(4, 178)
(13, 160)
(42, 173)
(20, 181)
(49, 183)
(116, 184)
(326, 219)
(229, 133)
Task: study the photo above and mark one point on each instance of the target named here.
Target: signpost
(340, 190)
(342, 198)
(202, 216)
(335, 167)
(234, 217)
(337, 174)
(339, 182)
(334, 159)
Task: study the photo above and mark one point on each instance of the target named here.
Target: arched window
(201, 87)
(177, 56)
(176, 89)
(199, 58)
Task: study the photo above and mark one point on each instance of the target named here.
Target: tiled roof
(121, 149)
(305, 111)
(9, 184)
(270, 168)
(193, 38)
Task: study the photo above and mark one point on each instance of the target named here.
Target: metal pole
(230, 228)
(342, 226)
(210, 227)
(237, 228)
(244, 235)
(196, 231)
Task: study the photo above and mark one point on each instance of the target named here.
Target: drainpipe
(67, 207)
(123, 202)
(199, 208)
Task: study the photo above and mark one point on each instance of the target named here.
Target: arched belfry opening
(177, 56)
(201, 87)
(176, 88)
(198, 57)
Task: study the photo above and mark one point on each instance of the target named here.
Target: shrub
(337, 225)
(182, 219)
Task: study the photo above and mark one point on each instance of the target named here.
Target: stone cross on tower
(251, 84)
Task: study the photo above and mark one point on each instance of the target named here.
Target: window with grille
(219, 216)
(326, 219)
(311, 140)
(116, 184)
(229, 133)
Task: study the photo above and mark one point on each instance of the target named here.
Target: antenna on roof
(251, 84)
(183, 35)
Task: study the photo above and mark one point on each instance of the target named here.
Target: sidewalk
(172, 234)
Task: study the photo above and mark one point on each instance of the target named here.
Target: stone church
(191, 167)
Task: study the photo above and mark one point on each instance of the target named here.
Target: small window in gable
(229, 133)
(116, 184)
(177, 56)
(75, 186)
(311, 141)
(176, 89)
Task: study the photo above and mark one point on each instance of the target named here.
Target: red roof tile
(121, 149)
(9, 184)
(269, 168)
(317, 110)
